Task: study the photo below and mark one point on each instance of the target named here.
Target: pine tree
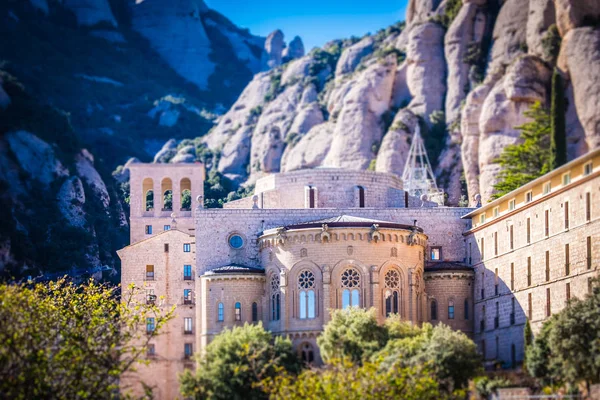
(523, 162)
(558, 124)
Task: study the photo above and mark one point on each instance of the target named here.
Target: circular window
(350, 278)
(236, 241)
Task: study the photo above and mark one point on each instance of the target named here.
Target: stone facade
(311, 241)
(550, 256)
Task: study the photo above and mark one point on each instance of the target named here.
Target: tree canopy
(531, 157)
(567, 349)
(236, 361)
(66, 341)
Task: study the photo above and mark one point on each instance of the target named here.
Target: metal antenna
(418, 175)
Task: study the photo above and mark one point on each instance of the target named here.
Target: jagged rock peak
(274, 46)
(294, 50)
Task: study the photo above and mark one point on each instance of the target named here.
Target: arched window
(238, 311)
(433, 310)
(185, 188)
(275, 298)
(220, 312)
(254, 312)
(149, 200)
(307, 353)
(312, 197)
(167, 194)
(466, 309)
(306, 301)
(148, 194)
(450, 309)
(361, 197)
(351, 288)
(392, 292)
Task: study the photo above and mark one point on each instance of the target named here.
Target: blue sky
(315, 21)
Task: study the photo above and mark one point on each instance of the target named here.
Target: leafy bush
(551, 41)
(450, 12)
(236, 361)
(275, 87)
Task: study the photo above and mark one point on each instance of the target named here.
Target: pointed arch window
(275, 298)
(307, 353)
(220, 312)
(451, 309)
(254, 312)
(306, 295)
(238, 311)
(350, 288)
(434, 315)
(392, 292)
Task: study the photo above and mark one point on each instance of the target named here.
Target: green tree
(236, 361)
(451, 356)
(65, 341)
(529, 159)
(558, 123)
(567, 349)
(344, 380)
(352, 334)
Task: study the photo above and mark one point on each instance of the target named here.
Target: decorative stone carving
(375, 234)
(412, 240)
(350, 250)
(325, 235)
(281, 236)
(394, 252)
(303, 253)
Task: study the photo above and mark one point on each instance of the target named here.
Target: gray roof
(235, 269)
(349, 221)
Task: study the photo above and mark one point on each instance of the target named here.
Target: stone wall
(168, 285)
(498, 289)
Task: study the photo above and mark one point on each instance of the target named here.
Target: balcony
(188, 331)
(188, 278)
(188, 300)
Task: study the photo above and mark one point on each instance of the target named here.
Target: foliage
(551, 41)
(352, 334)
(372, 165)
(434, 135)
(275, 87)
(450, 12)
(568, 347)
(344, 380)
(236, 361)
(451, 356)
(324, 60)
(381, 54)
(64, 341)
(558, 123)
(464, 201)
(186, 199)
(529, 159)
(486, 387)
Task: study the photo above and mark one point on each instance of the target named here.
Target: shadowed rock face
(87, 12)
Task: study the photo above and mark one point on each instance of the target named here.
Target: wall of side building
(532, 275)
(168, 253)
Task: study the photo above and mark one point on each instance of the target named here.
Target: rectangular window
(568, 291)
(482, 285)
(497, 317)
(528, 271)
(187, 272)
(187, 247)
(167, 228)
(466, 306)
(148, 229)
(547, 223)
(187, 296)
(589, 252)
(166, 247)
(528, 196)
(566, 215)
(451, 310)
(588, 206)
(528, 230)
(511, 205)
(512, 311)
(150, 350)
(495, 243)
(547, 187)
(470, 253)
(150, 296)
(150, 325)
(512, 238)
(187, 325)
(482, 249)
(567, 260)
(187, 351)
(529, 306)
(496, 211)
(482, 218)
(547, 265)
(149, 272)
(436, 253)
(566, 178)
(512, 276)
(548, 303)
(496, 282)
(238, 311)
(587, 169)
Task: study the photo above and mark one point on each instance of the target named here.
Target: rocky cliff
(84, 86)
(465, 71)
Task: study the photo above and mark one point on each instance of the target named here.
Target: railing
(188, 277)
(188, 300)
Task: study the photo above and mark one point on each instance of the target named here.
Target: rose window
(392, 279)
(274, 283)
(350, 278)
(306, 280)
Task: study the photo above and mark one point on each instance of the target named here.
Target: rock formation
(90, 12)
(274, 46)
(295, 49)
